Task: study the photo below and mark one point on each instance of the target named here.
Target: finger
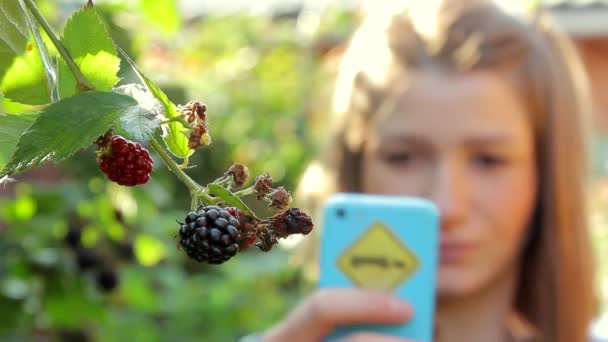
(370, 337)
(322, 312)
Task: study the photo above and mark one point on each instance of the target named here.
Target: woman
(482, 113)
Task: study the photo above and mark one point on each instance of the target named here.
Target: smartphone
(387, 243)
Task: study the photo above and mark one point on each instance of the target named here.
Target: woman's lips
(450, 252)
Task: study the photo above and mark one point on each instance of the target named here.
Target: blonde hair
(556, 288)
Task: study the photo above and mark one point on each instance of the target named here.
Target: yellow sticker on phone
(378, 259)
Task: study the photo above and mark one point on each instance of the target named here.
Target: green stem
(206, 198)
(224, 180)
(172, 165)
(82, 82)
(176, 118)
(244, 192)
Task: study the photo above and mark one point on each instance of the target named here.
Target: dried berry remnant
(262, 185)
(195, 110)
(211, 235)
(198, 136)
(124, 162)
(195, 113)
(280, 198)
(239, 174)
(288, 222)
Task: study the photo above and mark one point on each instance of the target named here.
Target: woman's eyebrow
(476, 139)
(412, 139)
(490, 139)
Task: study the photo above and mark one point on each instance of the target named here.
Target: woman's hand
(319, 314)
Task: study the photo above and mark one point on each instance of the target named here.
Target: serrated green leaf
(13, 32)
(140, 124)
(174, 133)
(25, 81)
(163, 14)
(230, 198)
(11, 128)
(67, 126)
(86, 39)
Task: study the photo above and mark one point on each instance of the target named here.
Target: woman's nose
(450, 193)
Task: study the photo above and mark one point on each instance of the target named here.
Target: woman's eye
(398, 158)
(489, 160)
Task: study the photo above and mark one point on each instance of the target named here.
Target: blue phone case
(387, 243)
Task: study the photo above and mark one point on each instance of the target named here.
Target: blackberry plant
(81, 103)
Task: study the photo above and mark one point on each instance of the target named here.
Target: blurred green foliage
(257, 75)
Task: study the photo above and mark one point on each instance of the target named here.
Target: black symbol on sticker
(379, 261)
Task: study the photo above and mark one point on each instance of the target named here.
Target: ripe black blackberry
(72, 238)
(87, 259)
(107, 280)
(211, 235)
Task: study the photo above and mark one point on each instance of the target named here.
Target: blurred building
(587, 22)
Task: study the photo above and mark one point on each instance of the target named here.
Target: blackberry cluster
(90, 260)
(211, 234)
(124, 162)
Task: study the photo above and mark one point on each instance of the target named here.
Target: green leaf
(14, 32)
(67, 126)
(163, 14)
(229, 198)
(86, 39)
(140, 124)
(174, 133)
(11, 128)
(25, 81)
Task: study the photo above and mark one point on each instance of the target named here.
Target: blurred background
(264, 68)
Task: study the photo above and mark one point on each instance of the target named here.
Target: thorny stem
(172, 165)
(81, 81)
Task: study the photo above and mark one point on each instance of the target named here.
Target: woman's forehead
(475, 103)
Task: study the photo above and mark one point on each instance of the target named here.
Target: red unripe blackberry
(124, 162)
(211, 235)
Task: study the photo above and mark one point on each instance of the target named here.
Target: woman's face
(465, 142)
